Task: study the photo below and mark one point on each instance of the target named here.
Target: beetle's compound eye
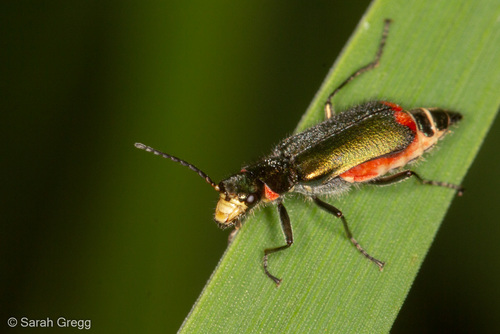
(250, 199)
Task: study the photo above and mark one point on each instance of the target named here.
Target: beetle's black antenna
(182, 162)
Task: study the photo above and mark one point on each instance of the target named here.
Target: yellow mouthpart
(227, 211)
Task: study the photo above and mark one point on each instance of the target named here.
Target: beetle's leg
(328, 105)
(287, 230)
(401, 176)
(337, 213)
(231, 236)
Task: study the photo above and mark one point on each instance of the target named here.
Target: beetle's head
(238, 194)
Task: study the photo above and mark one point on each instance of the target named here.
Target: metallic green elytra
(360, 145)
(363, 133)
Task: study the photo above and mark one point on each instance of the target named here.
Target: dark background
(94, 229)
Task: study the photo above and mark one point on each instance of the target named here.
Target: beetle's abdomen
(431, 124)
(382, 132)
(434, 122)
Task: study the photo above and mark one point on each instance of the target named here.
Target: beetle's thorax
(264, 181)
(276, 173)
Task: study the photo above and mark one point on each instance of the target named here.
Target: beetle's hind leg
(406, 174)
(328, 105)
(337, 213)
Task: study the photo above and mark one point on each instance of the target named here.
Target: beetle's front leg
(233, 233)
(287, 230)
(231, 236)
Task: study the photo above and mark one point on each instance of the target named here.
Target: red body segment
(405, 119)
(377, 167)
(394, 106)
(269, 194)
(380, 166)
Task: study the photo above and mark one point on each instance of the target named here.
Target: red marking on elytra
(402, 117)
(380, 166)
(269, 194)
(243, 170)
(393, 106)
(363, 172)
(406, 120)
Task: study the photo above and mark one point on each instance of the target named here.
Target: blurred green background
(93, 228)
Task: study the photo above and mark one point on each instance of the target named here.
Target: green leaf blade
(438, 54)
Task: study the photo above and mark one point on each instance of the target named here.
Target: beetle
(366, 144)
